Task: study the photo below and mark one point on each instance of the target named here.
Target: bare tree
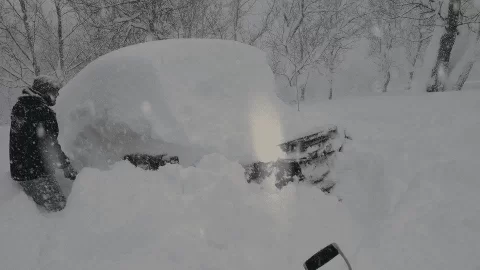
(384, 36)
(18, 23)
(65, 45)
(460, 12)
(39, 36)
(469, 65)
(416, 37)
(416, 20)
(239, 9)
(124, 22)
(112, 24)
(309, 34)
(265, 26)
(344, 26)
(292, 53)
(199, 19)
(441, 70)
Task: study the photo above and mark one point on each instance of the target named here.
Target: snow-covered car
(182, 97)
(186, 98)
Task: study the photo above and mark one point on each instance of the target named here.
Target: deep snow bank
(217, 96)
(410, 178)
(7, 188)
(205, 217)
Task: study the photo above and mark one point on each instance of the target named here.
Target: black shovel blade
(321, 258)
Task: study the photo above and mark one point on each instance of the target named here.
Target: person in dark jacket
(34, 149)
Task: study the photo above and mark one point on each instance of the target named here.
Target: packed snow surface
(410, 178)
(408, 184)
(210, 96)
(205, 217)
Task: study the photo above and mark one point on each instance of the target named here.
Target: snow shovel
(324, 256)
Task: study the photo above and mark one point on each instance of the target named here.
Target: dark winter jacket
(34, 148)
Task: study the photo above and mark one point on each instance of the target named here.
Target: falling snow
(377, 31)
(456, 6)
(442, 75)
(40, 131)
(147, 108)
(398, 210)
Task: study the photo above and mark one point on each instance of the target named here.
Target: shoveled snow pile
(207, 96)
(203, 217)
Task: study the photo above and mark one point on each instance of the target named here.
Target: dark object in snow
(45, 192)
(34, 148)
(285, 172)
(325, 255)
(309, 158)
(150, 162)
(302, 143)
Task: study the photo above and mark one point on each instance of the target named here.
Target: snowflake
(146, 108)
(441, 72)
(40, 131)
(456, 6)
(377, 31)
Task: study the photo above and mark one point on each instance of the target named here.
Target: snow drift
(207, 96)
(408, 184)
(203, 217)
(410, 178)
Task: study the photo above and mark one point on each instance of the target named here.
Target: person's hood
(28, 93)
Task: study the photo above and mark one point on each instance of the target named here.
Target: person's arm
(53, 148)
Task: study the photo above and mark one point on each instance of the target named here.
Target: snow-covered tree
(18, 25)
(344, 26)
(308, 35)
(39, 36)
(385, 35)
(198, 19)
(470, 62)
(113, 24)
(459, 12)
(410, 24)
(441, 70)
(416, 36)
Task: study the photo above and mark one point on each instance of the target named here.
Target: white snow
(216, 96)
(205, 217)
(477, 3)
(407, 182)
(410, 178)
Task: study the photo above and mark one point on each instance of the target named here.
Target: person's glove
(70, 172)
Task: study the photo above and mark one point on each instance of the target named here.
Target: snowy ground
(410, 178)
(205, 217)
(408, 183)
